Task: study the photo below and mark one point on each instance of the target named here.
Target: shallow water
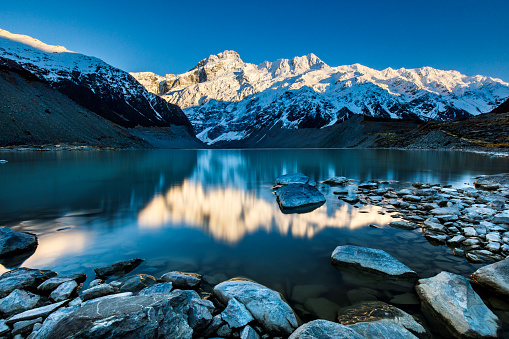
(213, 212)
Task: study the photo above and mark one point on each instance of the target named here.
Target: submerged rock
(450, 299)
(287, 179)
(118, 269)
(371, 260)
(321, 329)
(337, 181)
(14, 242)
(377, 311)
(494, 277)
(299, 195)
(264, 304)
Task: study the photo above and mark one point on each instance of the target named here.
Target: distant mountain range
(227, 99)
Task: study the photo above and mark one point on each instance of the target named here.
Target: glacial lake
(213, 212)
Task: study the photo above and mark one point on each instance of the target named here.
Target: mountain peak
(32, 42)
(228, 57)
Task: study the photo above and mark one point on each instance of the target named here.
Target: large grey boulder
(298, 196)
(18, 301)
(380, 312)
(14, 242)
(492, 182)
(24, 279)
(181, 279)
(324, 329)
(297, 178)
(371, 260)
(150, 316)
(118, 269)
(377, 330)
(450, 299)
(494, 277)
(264, 304)
(236, 314)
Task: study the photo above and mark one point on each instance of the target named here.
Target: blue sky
(172, 36)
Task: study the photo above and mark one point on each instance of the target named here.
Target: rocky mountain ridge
(227, 99)
(92, 83)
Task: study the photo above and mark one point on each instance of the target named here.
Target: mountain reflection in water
(229, 214)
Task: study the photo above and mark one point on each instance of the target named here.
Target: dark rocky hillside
(503, 108)
(33, 113)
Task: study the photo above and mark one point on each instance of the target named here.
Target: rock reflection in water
(229, 214)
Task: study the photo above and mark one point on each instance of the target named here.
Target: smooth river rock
(299, 195)
(14, 242)
(118, 269)
(297, 178)
(371, 260)
(264, 304)
(450, 299)
(324, 329)
(494, 277)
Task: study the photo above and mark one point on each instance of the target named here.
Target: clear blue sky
(172, 36)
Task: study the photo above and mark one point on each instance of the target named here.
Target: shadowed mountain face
(503, 108)
(227, 99)
(92, 83)
(33, 113)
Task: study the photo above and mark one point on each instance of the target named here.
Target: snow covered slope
(102, 88)
(228, 99)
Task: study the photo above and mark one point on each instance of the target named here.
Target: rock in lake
(402, 225)
(118, 269)
(182, 280)
(324, 329)
(294, 196)
(14, 242)
(287, 179)
(492, 182)
(371, 260)
(494, 277)
(337, 181)
(450, 299)
(264, 304)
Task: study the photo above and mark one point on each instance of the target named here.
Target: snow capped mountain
(94, 84)
(228, 99)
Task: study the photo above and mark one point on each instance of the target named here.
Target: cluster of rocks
(474, 221)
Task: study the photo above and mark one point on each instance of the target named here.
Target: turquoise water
(213, 212)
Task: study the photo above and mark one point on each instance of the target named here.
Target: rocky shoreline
(474, 222)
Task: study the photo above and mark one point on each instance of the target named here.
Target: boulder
(97, 291)
(200, 314)
(182, 280)
(236, 314)
(52, 283)
(14, 242)
(337, 181)
(24, 327)
(378, 330)
(18, 301)
(450, 299)
(299, 195)
(23, 278)
(150, 316)
(157, 288)
(118, 269)
(371, 260)
(35, 313)
(324, 329)
(137, 283)
(297, 178)
(264, 304)
(64, 291)
(402, 225)
(249, 333)
(492, 182)
(494, 277)
(380, 312)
